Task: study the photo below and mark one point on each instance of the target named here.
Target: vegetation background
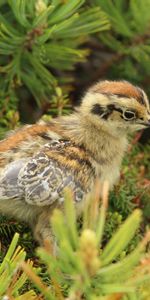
(50, 52)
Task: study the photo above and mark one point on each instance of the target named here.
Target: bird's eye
(129, 115)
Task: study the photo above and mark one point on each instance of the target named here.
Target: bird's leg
(42, 229)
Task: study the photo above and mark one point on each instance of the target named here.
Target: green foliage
(7, 231)
(38, 40)
(41, 41)
(129, 37)
(81, 270)
(132, 192)
(12, 279)
(133, 188)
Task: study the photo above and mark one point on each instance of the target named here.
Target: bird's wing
(9, 188)
(41, 180)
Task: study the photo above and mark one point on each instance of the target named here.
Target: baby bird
(38, 161)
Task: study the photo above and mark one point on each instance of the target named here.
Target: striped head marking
(117, 103)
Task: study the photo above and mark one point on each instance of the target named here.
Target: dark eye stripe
(104, 112)
(113, 107)
(97, 109)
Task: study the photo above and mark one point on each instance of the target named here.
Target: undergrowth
(131, 192)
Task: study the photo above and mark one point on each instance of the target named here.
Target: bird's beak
(146, 123)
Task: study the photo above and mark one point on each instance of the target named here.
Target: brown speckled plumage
(38, 161)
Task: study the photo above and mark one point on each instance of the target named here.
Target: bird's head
(116, 105)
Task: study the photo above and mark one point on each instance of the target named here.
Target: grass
(131, 192)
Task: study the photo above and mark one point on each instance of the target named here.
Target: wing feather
(43, 181)
(9, 188)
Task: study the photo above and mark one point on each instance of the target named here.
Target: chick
(38, 161)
